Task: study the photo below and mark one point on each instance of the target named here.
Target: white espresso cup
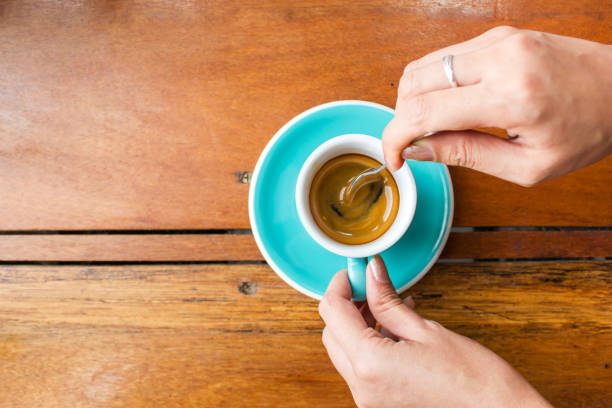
(356, 254)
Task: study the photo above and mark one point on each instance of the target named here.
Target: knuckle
(409, 301)
(463, 154)
(370, 333)
(528, 181)
(325, 337)
(529, 90)
(387, 301)
(327, 305)
(533, 179)
(533, 175)
(419, 111)
(407, 85)
(324, 306)
(365, 370)
(433, 325)
(529, 83)
(522, 43)
(503, 30)
(368, 338)
(389, 133)
(407, 69)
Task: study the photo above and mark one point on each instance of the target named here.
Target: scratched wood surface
(191, 336)
(138, 114)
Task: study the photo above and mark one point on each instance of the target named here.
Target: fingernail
(409, 301)
(378, 269)
(418, 152)
(391, 166)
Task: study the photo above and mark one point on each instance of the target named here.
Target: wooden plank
(580, 199)
(138, 247)
(242, 247)
(529, 244)
(187, 336)
(137, 115)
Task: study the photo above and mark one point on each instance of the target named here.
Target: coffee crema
(368, 215)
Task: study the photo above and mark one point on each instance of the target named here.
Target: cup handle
(357, 276)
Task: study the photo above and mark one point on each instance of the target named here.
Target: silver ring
(447, 63)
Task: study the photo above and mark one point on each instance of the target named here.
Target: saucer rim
(255, 176)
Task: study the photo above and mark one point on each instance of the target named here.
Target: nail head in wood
(247, 288)
(244, 177)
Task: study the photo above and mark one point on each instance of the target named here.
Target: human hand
(553, 95)
(411, 362)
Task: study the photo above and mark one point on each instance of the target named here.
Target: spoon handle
(424, 136)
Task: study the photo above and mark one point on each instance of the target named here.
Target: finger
(387, 307)
(482, 41)
(450, 109)
(341, 315)
(386, 333)
(486, 153)
(338, 356)
(340, 360)
(364, 309)
(468, 70)
(409, 301)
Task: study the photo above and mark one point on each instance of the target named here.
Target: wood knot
(244, 177)
(247, 288)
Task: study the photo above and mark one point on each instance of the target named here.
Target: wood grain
(528, 244)
(580, 199)
(180, 336)
(139, 114)
(242, 247)
(137, 247)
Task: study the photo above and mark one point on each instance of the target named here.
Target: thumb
(387, 307)
(472, 149)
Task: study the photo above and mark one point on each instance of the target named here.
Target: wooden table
(129, 275)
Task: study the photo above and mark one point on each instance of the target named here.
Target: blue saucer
(282, 239)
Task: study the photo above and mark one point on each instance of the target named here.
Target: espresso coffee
(367, 215)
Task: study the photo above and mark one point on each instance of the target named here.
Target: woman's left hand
(411, 362)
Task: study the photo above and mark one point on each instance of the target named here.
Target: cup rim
(369, 146)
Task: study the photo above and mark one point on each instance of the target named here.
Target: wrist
(533, 399)
(519, 393)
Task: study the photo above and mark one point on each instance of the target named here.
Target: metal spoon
(348, 194)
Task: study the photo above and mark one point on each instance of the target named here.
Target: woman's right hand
(553, 95)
